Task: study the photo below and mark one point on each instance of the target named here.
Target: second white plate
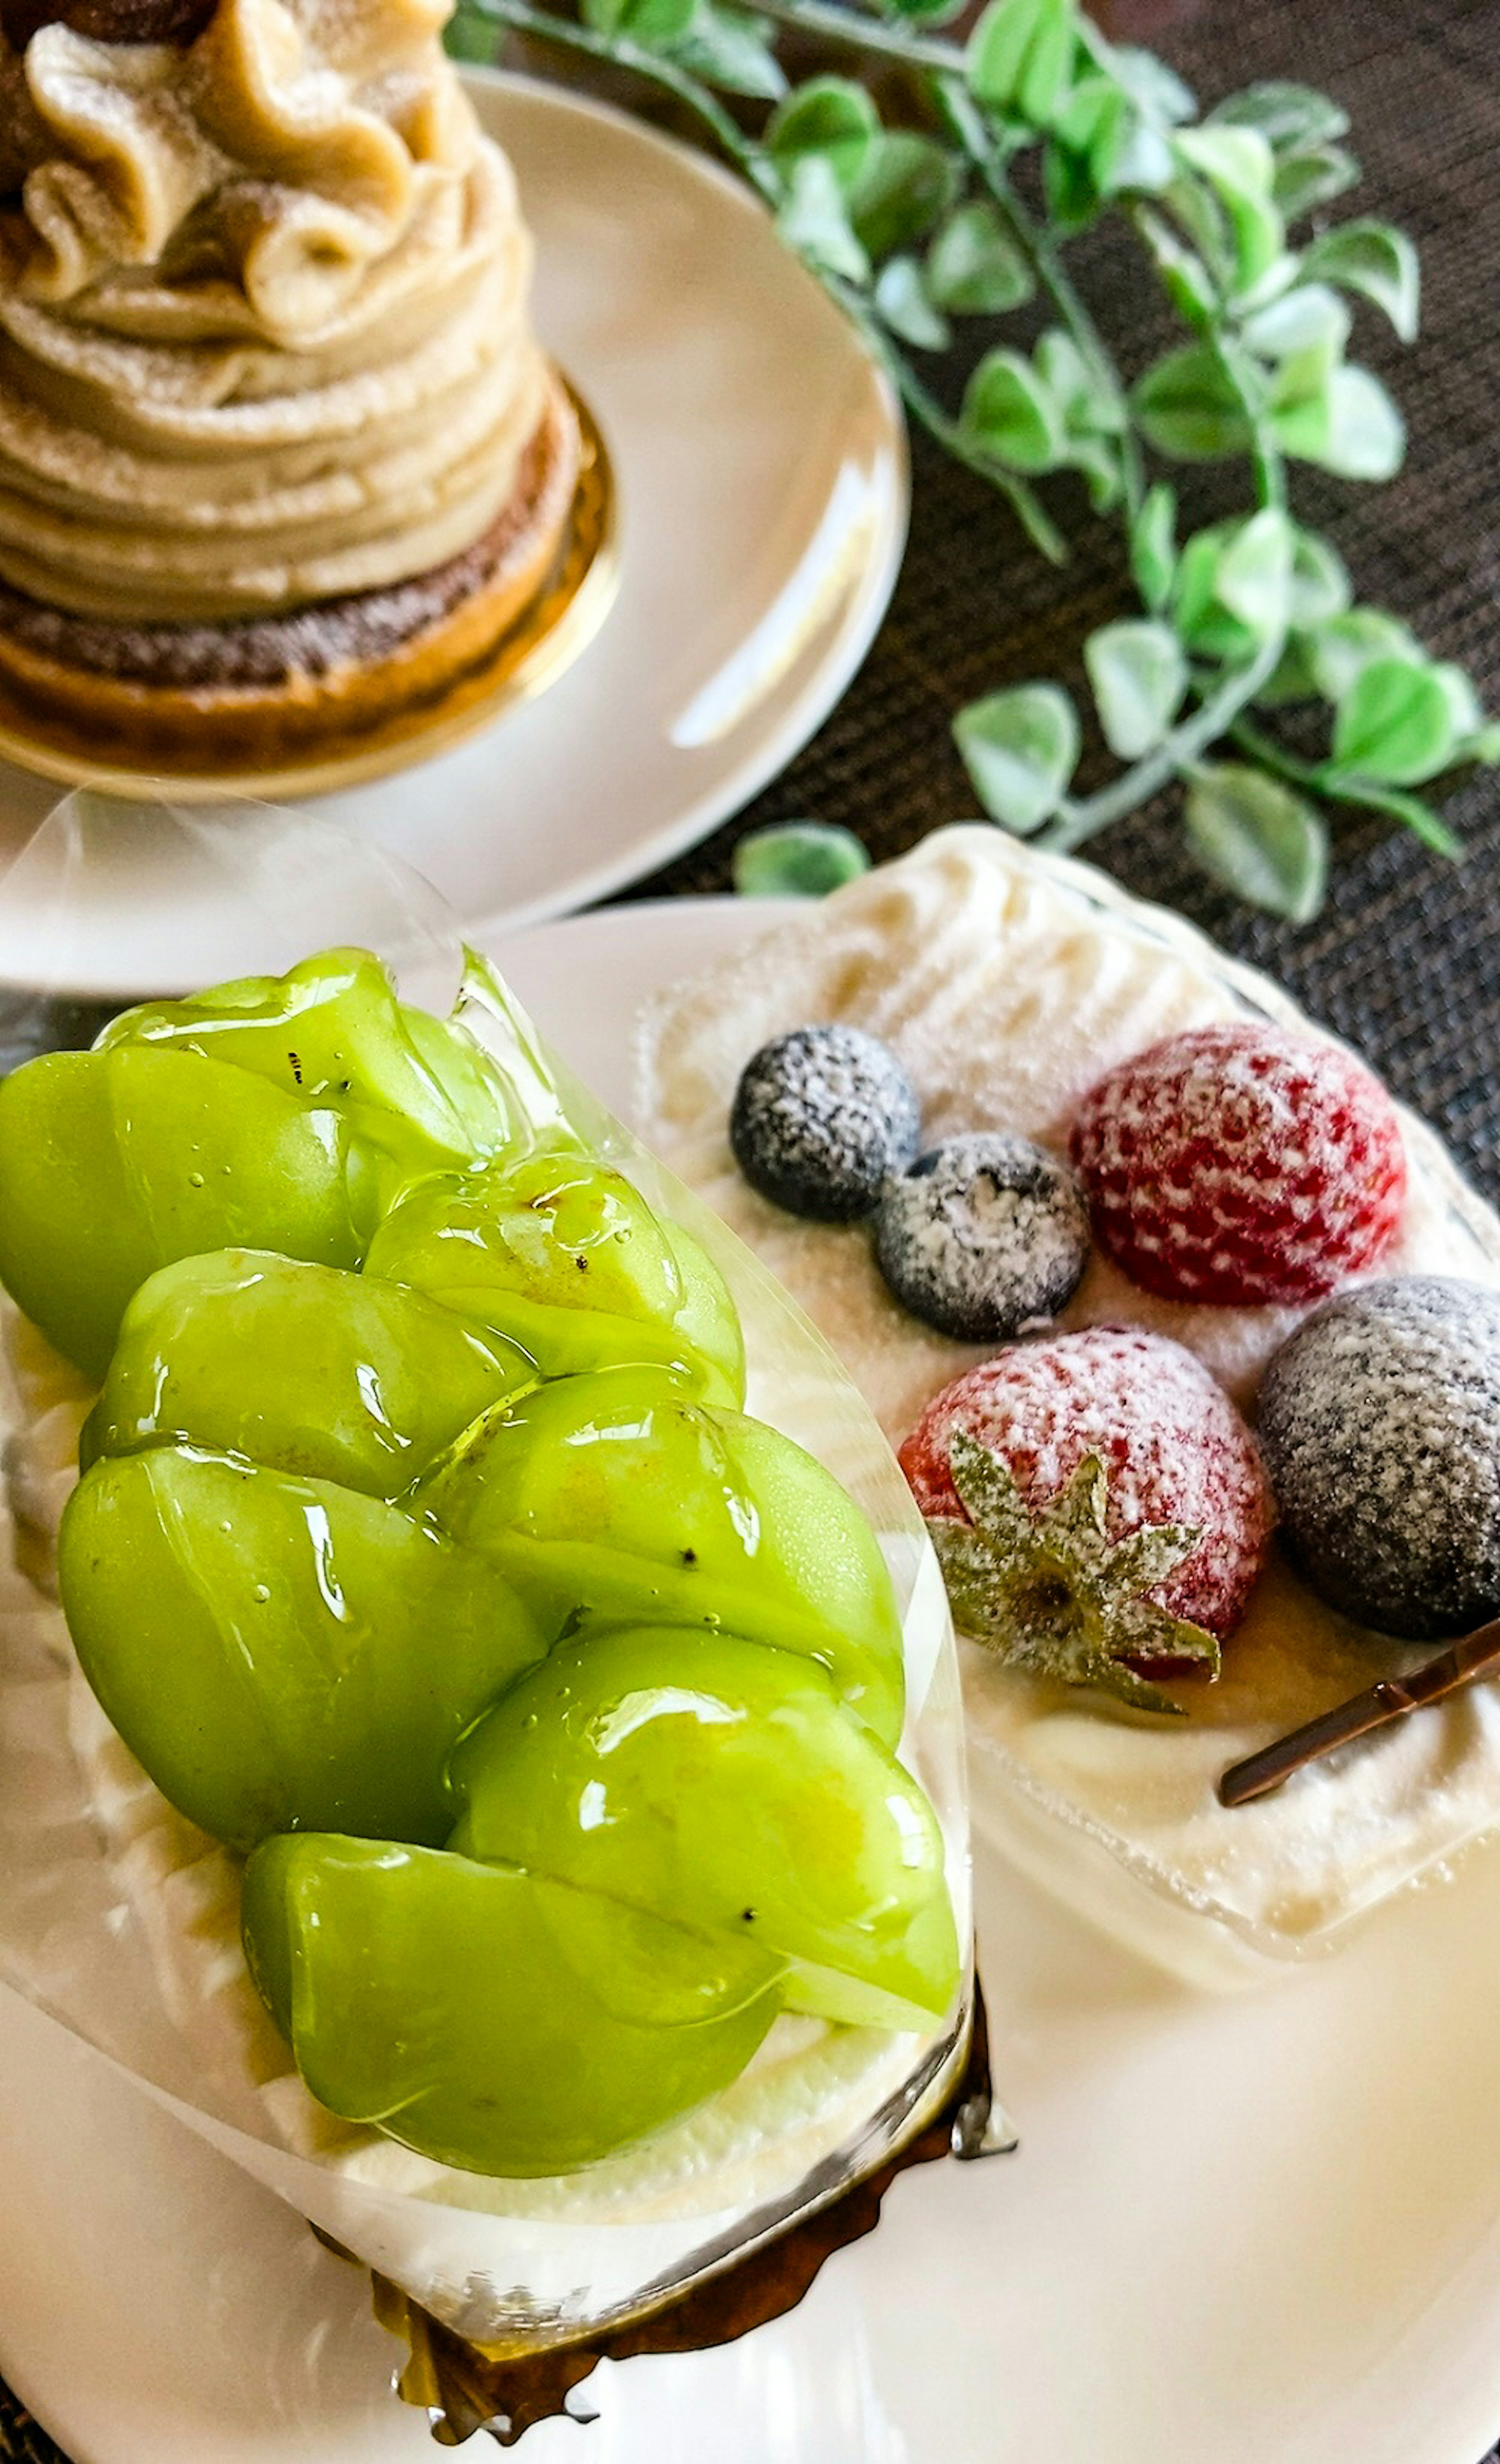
(761, 464)
(1254, 2230)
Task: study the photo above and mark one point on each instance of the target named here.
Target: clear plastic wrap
(122, 1921)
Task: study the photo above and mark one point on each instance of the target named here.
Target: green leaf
(1484, 745)
(1185, 277)
(905, 184)
(814, 223)
(1312, 317)
(1020, 58)
(1239, 166)
(1395, 723)
(1344, 645)
(1020, 749)
(1465, 708)
(903, 300)
(1009, 413)
(1349, 425)
(1188, 407)
(728, 49)
(1377, 261)
(1088, 402)
(1259, 838)
(1232, 590)
(1143, 165)
(976, 267)
(1292, 679)
(1203, 623)
(796, 860)
(1320, 586)
(1253, 576)
(1139, 676)
(1079, 166)
(1420, 819)
(1073, 196)
(1290, 117)
(829, 116)
(929, 12)
(1149, 81)
(1153, 546)
(1315, 178)
(653, 22)
(470, 37)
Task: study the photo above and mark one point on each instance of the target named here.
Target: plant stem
(1047, 264)
(1176, 752)
(945, 430)
(1364, 796)
(617, 51)
(863, 33)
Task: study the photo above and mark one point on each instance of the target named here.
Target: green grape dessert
(542, 1713)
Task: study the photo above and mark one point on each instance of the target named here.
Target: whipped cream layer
(1008, 983)
(264, 333)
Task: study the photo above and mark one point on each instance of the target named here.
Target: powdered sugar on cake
(1006, 986)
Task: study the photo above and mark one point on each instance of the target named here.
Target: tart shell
(314, 679)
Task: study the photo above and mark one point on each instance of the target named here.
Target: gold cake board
(559, 624)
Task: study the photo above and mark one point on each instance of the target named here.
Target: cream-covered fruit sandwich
(1130, 1264)
(493, 1753)
(279, 454)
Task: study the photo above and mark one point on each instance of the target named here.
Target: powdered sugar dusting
(263, 316)
(1382, 1422)
(1240, 1164)
(983, 1237)
(1173, 1447)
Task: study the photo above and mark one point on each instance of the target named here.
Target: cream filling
(1009, 984)
(264, 326)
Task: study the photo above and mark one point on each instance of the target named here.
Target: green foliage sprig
(914, 229)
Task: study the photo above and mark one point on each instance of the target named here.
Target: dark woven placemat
(1406, 960)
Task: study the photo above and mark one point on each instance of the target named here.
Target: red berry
(1174, 1449)
(1238, 1165)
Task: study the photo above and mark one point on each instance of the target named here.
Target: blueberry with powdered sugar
(983, 1237)
(821, 1119)
(1379, 1423)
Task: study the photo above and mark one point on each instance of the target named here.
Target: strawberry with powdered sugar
(1098, 1505)
(1238, 1165)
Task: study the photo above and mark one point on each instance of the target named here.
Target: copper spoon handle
(1463, 1664)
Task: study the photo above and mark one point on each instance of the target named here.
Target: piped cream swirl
(264, 332)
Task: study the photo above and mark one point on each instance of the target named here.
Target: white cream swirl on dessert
(1009, 985)
(264, 332)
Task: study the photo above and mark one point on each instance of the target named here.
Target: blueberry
(983, 1237)
(821, 1119)
(1380, 1423)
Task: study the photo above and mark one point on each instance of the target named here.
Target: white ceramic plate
(1263, 2230)
(761, 465)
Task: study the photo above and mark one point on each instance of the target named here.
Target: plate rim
(853, 635)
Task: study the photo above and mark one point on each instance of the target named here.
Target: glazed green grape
(332, 1031)
(618, 1499)
(565, 1257)
(486, 2017)
(721, 1784)
(115, 1163)
(335, 1376)
(282, 1653)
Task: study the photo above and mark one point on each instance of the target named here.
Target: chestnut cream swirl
(263, 314)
